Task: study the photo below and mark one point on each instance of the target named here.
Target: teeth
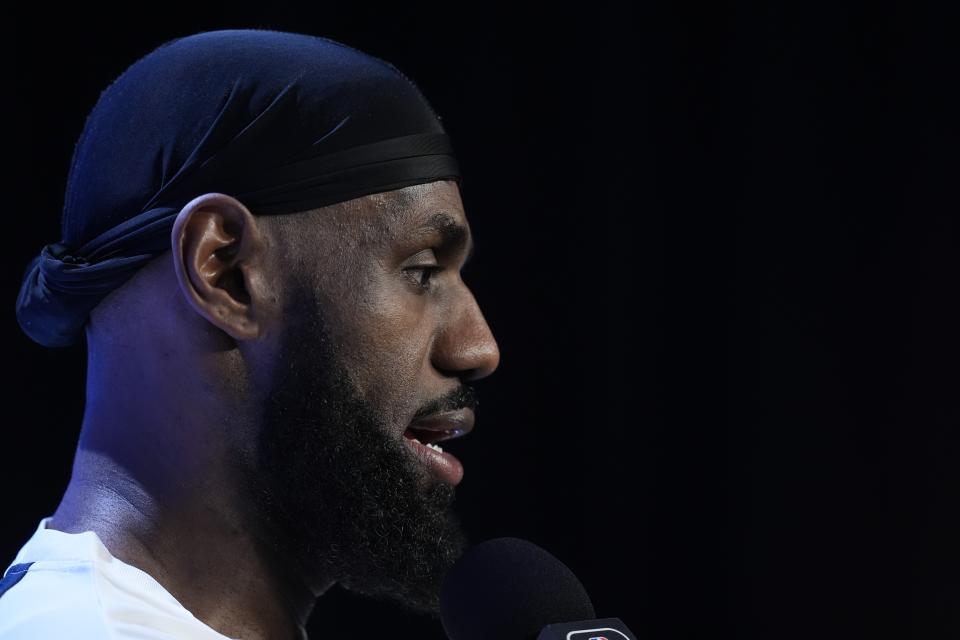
(435, 447)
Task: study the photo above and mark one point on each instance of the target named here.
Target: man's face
(373, 341)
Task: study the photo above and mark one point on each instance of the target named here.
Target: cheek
(387, 333)
(394, 314)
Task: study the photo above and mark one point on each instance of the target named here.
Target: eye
(422, 274)
(427, 273)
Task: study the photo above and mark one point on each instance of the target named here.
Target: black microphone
(511, 589)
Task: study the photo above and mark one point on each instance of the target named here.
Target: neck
(192, 537)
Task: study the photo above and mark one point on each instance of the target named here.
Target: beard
(336, 490)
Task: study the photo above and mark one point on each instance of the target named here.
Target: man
(274, 343)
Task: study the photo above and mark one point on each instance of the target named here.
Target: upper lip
(445, 425)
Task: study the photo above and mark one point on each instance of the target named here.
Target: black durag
(284, 122)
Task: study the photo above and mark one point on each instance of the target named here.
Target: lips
(434, 428)
(438, 427)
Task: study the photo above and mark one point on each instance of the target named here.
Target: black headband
(292, 122)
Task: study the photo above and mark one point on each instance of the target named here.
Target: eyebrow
(453, 234)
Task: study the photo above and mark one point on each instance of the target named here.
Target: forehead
(382, 223)
(416, 205)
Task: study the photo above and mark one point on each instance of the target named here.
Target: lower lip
(443, 466)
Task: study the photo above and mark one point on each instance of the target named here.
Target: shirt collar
(50, 544)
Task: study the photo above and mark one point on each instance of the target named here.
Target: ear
(219, 256)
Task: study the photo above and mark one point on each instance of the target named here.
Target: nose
(465, 347)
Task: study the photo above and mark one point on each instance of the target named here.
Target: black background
(718, 249)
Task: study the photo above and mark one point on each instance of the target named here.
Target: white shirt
(76, 590)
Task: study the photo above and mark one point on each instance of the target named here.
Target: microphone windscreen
(509, 589)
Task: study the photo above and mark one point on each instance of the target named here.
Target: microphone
(511, 589)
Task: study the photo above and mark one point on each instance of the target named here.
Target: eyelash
(429, 272)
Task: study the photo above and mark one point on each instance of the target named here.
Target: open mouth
(430, 437)
(424, 433)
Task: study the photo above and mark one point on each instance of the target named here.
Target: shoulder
(51, 600)
(89, 601)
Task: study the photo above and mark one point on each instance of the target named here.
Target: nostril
(489, 363)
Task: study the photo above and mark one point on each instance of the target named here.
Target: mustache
(461, 397)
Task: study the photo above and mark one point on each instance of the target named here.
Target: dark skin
(184, 356)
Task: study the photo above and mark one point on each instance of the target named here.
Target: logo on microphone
(584, 634)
